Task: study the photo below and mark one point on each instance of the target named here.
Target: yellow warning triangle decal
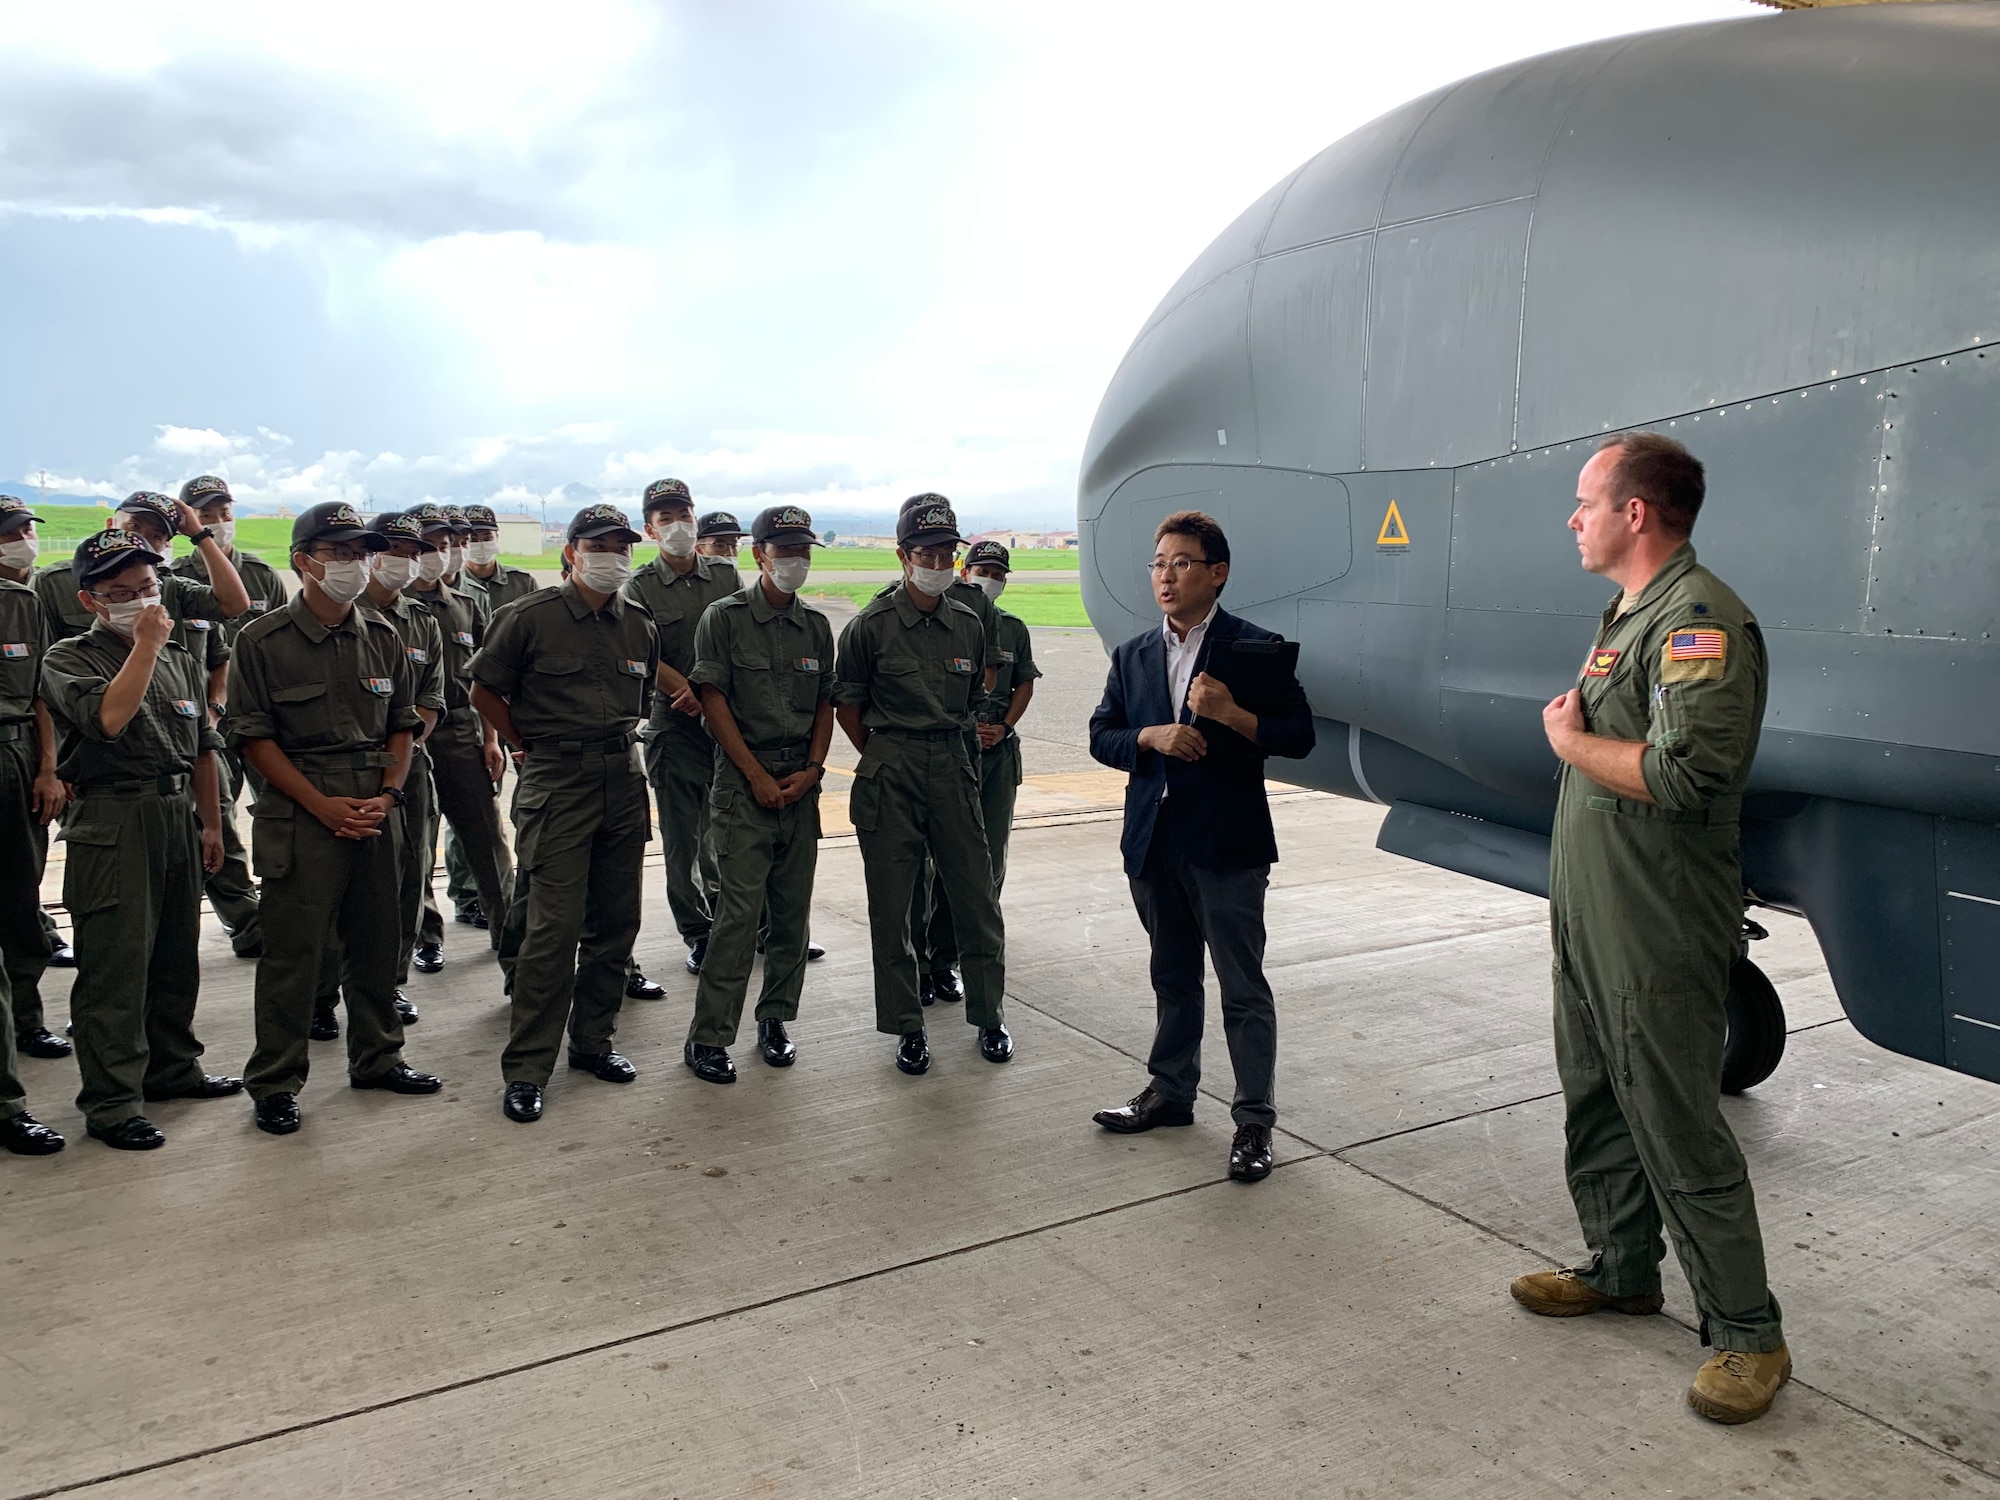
(1393, 532)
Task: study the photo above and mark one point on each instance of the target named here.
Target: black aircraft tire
(1756, 1039)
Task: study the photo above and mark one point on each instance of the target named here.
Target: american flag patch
(1696, 645)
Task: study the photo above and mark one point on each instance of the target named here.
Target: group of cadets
(386, 696)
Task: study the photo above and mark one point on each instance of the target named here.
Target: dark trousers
(24, 943)
(1184, 907)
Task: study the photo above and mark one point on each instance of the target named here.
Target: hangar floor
(838, 1281)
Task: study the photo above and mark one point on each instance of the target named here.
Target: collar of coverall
(579, 608)
(1670, 570)
(306, 620)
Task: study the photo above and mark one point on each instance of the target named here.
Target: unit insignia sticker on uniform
(186, 708)
(1601, 663)
(418, 654)
(961, 664)
(194, 623)
(808, 663)
(381, 686)
(635, 668)
(1008, 657)
(14, 650)
(463, 637)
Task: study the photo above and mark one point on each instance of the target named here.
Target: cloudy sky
(835, 251)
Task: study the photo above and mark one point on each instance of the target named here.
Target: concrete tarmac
(839, 1281)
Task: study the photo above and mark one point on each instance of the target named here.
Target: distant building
(847, 540)
(1029, 540)
(519, 533)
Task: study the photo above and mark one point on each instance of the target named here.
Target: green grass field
(1031, 603)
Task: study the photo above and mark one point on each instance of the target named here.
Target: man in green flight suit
(675, 587)
(389, 573)
(907, 685)
(1646, 911)
(31, 794)
(139, 750)
(322, 706)
(566, 676)
(764, 667)
(231, 892)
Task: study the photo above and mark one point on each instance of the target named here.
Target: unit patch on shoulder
(1697, 655)
(1601, 662)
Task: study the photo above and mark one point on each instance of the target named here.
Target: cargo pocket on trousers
(529, 804)
(864, 803)
(90, 869)
(271, 823)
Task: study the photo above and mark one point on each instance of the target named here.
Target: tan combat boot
(1564, 1294)
(1736, 1387)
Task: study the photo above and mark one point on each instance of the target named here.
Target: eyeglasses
(933, 557)
(334, 552)
(126, 596)
(1178, 566)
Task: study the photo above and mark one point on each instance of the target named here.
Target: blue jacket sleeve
(1113, 739)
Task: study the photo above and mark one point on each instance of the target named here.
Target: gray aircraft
(1775, 239)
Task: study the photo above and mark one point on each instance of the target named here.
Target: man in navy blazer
(1198, 843)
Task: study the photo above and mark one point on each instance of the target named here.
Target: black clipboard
(1260, 676)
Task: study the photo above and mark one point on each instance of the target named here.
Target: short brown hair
(1202, 527)
(1659, 471)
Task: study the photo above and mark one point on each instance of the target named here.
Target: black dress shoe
(697, 955)
(401, 1079)
(639, 987)
(913, 1054)
(24, 1135)
(709, 1064)
(61, 955)
(471, 916)
(944, 984)
(1250, 1153)
(612, 1067)
(406, 1009)
(774, 1046)
(522, 1103)
(428, 958)
(250, 950)
(814, 953)
(1146, 1112)
(325, 1026)
(41, 1042)
(136, 1133)
(995, 1045)
(208, 1086)
(278, 1113)
(926, 992)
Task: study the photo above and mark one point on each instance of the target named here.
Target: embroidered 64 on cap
(334, 521)
(665, 494)
(204, 488)
(927, 521)
(105, 552)
(784, 526)
(601, 521)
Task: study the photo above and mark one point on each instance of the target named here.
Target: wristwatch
(396, 795)
(206, 534)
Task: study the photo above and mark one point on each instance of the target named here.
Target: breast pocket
(303, 713)
(675, 633)
(554, 684)
(805, 676)
(753, 684)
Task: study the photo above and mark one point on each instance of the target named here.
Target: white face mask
(394, 572)
(482, 553)
(789, 573)
(990, 587)
(124, 618)
(344, 582)
(430, 566)
(931, 580)
(454, 558)
(19, 553)
(225, 534)
(677, 538)
(603, 572)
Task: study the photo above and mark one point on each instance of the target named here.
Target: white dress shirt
(1181, 657)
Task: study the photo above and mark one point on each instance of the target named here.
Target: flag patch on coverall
(1696, 645)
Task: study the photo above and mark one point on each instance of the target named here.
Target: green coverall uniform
(1646, 908)
(916, 677)
(132, 876)
(577, 682)
(465, 794)
(775, 668)
(680, 753)
(24, 944)
(230, 890)
(330, 698)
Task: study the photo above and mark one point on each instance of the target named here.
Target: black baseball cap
(601, 520)
(927, 521)
(989, 555)
(481, 518)
(399, 526)
(664, 493)
(429, 516)
(103, 553)
(14, 513)
(333, 521)
(784, 526)
(717, 523)
(205, 489)
(456, 518)
(152, 503)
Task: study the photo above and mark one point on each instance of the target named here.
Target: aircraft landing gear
(1756, 1038)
